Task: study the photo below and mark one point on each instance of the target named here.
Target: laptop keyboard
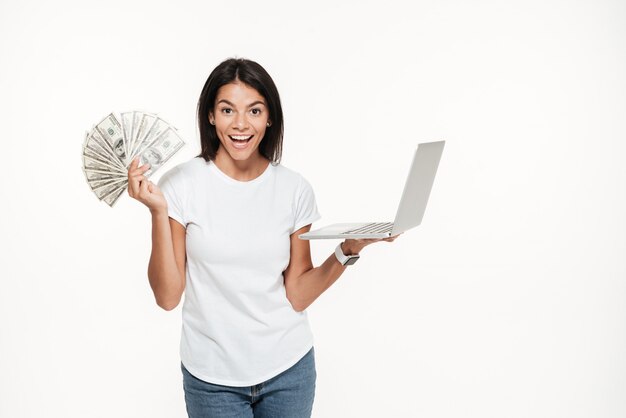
(375, 228)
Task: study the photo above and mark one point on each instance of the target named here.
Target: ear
(211, 118)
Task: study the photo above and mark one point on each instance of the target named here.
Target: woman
(225, 229)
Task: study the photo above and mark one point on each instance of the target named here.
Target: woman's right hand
(143, 190)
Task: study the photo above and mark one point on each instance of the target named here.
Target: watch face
(351, 261)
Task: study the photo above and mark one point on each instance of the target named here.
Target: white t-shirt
(238, 328)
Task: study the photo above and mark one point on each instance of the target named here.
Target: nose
(240, 122)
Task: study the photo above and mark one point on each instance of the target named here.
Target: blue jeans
(288, 395)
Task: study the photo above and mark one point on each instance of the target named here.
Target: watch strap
(345, 260)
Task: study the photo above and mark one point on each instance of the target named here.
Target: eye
(226, 110)
(255, 111)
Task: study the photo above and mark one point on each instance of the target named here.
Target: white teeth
(241, 137)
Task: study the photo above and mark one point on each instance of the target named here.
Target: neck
(241, 170)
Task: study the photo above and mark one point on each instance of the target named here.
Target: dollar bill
(157, 129)
(88, 152)
(104, 190)
(93, 174)
(94, 151)
(144, 125)
(161, 150)
(134, 125)
(112, 197)
(110, 129)
(97, 141)
(94, 184)
(98, 164)
(109, 148)
(127, 129)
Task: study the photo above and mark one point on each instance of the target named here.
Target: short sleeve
(172, 185)
(306, 208)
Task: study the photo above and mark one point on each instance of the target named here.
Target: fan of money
(114, 143)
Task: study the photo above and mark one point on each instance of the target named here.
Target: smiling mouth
(240, 139)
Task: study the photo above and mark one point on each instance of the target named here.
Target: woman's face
(240, 115)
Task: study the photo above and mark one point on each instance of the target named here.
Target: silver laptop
(412, 204)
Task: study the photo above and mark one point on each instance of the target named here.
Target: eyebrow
(250, 105)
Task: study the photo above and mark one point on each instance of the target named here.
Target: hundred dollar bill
(94, 184)
(92, 174)
(92, 149)
(97, 181)
(127, 130)
(143, 127)
(161, 150)
(110, 129)
(103, 191)
(96, 140)
(96, 164)
(157, 129)
(88, 152)
(112, 197)
(139, 120)
(134, 117)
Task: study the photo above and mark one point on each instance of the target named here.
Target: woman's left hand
(354, 246)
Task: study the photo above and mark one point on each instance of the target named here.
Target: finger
(143, 189)
(130, 170)
(138, 177)
(133, 185)
(134, 164)
(132, 190)
(136, 182)
(139, 170)
(368, 240)
(151, 186)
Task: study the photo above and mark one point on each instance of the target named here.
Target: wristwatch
(345, 260)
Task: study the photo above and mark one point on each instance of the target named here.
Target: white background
(508, 301)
